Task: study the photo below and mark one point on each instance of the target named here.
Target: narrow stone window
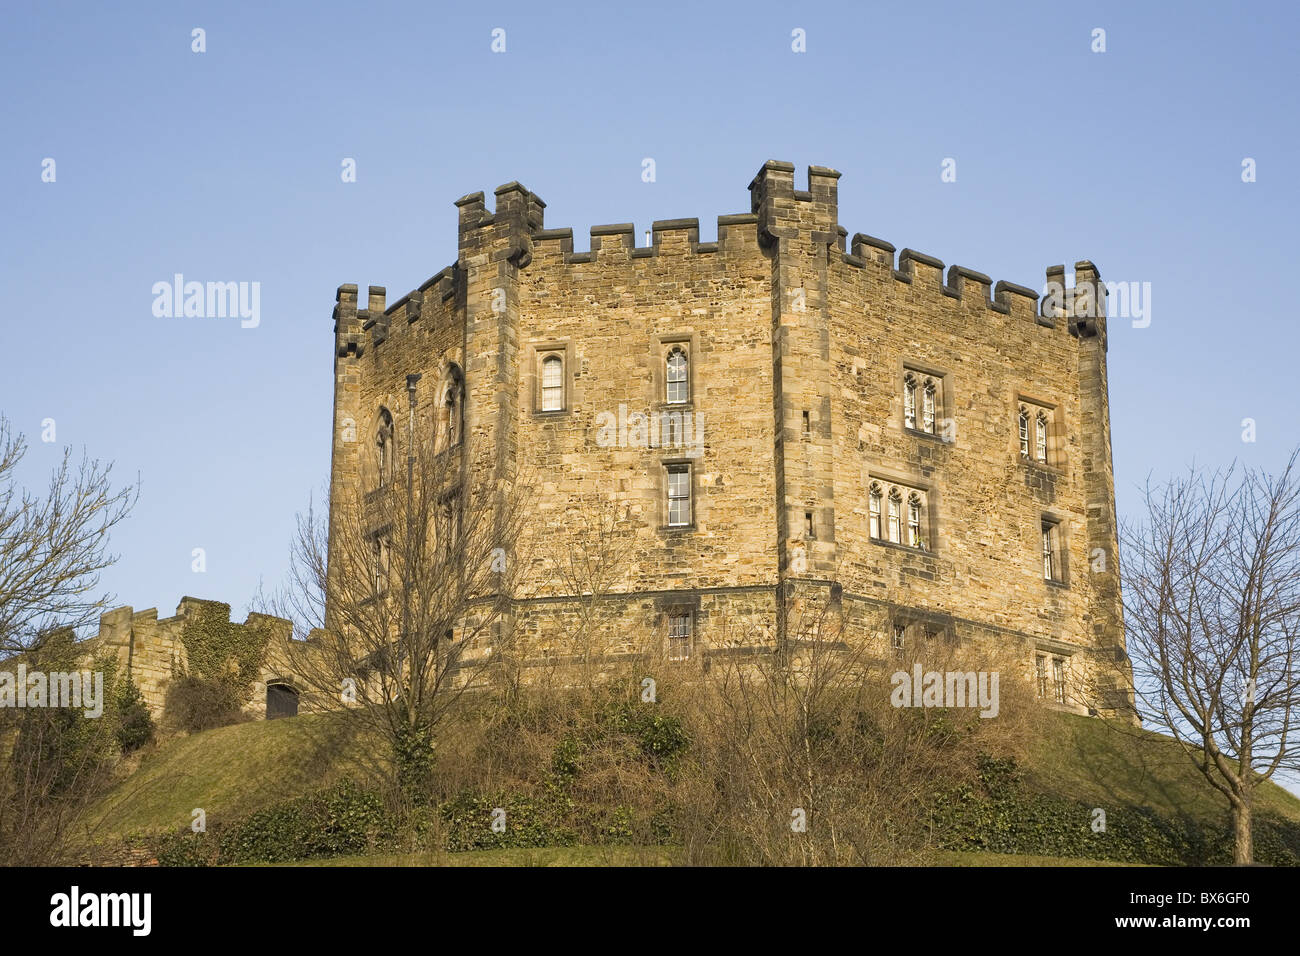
(678, 377)
(1051, 552)
(900, 637)
(807, 426)
(1024, 432)
(874, 511)
(895, 507)
(807, 524)
(914, 538)
(380, 564)
(384, 447)
(909, 400)
(1058, 680)
(552, 384)
(679, 637)
(679, 496)
(1040, 673)
(1040, 437)
(452, 412)
(448, 528)
(927, 407)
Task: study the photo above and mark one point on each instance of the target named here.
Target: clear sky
(226, 165)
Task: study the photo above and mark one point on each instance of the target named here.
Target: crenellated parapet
(515, 232)
(1083, 304)
(151, 650)
(347, 323)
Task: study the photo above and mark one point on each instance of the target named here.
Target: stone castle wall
(152, 651)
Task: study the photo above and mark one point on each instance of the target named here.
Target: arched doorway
(281, 701)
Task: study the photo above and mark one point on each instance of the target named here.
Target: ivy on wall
(223, 660)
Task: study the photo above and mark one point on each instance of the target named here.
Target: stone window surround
(930, 526)
(451, 382)
(379, 549)
(669, 618)
(944, 397)
(1061, 556)
(1049, 652)
(538, 352)
(661, 345)
(383, 464)
(693, 484)
(1056, 444)
(669, 606)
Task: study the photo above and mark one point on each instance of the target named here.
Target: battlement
(1077, 302)
(515, 231)
(151, 650)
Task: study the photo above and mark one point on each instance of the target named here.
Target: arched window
(677, 378)
(909, 401)
(895, 509)
(384, 447)
(874, 514)
(927, 407)
(552, 384)
(1040, 437)
(914, 521)
(451, 416)
(1024, 432)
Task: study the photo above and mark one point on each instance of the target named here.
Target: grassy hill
(1090, 760)
(236, 770)
(228, 772)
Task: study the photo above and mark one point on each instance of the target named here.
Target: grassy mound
(228, 773)
(236, 771)
(1090, 760)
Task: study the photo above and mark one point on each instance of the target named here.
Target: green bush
(528, 822)
(340, 820)
(135, 724)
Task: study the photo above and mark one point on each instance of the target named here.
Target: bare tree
(301, 597)
(53, 546)
(1212, 602)
(587, 571)
(803, 757)
(415, 578)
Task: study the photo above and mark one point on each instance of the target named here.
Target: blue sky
(225, 166)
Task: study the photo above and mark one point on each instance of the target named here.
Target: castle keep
(785, 408)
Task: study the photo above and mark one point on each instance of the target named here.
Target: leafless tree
(1212, 606)
(53, 546)
(803, 757)
(588, 570)
(55, 763)
(300, 598)
(415, 578)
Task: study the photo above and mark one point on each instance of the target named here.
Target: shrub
(135, 724)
